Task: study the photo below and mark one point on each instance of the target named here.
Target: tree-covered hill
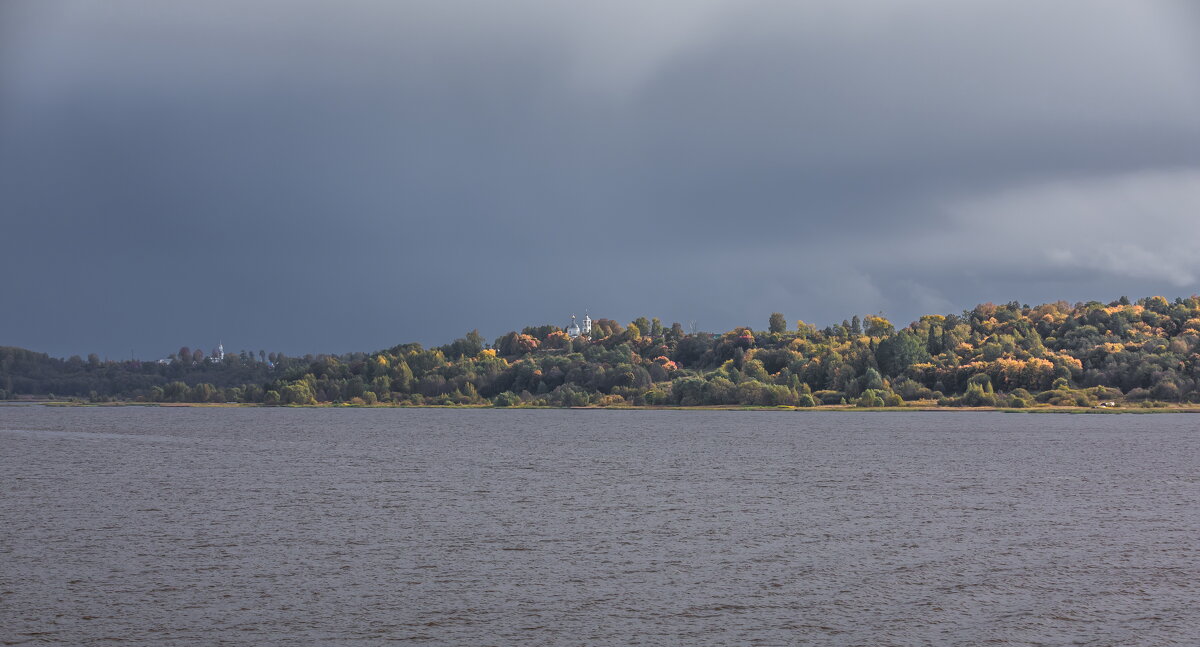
(1008, 355)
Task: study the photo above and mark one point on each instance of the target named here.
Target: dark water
(286, 527)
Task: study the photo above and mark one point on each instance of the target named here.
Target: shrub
(869, 398)
(1105, 392)
(830, 397)
(1137, 394)
(976, 396)
(1022, 394)
(910, 389)
(751, 392)
(506, 399)
(1061, 398)
(657, 397)
(1165, 390)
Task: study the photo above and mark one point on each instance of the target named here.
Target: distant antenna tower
(692, 326)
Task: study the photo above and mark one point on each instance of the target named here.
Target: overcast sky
(336, 176)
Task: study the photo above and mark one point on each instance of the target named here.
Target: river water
(187, 526)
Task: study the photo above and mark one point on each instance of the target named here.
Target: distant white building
(219, 356)
(574, 330)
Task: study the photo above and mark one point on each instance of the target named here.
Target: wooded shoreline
(1142, 354)
(750, 408)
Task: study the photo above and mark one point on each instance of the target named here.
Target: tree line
(1012, 355)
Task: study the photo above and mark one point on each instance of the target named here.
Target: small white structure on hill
(574, 330)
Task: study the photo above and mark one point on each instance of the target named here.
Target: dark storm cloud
(308, 177)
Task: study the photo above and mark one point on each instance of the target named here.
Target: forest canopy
(1009, 355)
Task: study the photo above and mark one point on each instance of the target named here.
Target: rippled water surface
(285, 527)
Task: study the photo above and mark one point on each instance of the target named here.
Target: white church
(574, 330)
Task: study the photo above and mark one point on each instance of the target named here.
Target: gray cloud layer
(310, 176)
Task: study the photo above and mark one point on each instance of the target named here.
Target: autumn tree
(878, 326)
(515, 343)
